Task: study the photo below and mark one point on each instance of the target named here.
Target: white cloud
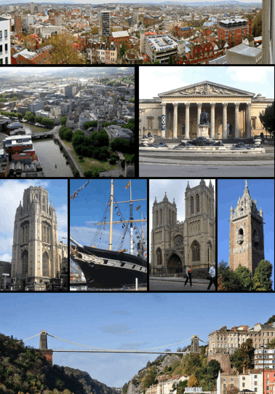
(249, 74)
(5, 257)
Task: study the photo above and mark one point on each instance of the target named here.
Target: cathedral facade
(246, 237)
(174, 244)
(36, 252)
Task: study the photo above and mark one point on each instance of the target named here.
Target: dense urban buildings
(155, 33)
(5, 50)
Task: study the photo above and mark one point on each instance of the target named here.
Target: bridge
(43, 347)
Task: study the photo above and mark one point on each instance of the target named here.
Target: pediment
(206, 89)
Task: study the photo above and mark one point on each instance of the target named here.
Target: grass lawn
(90, 163)
(128, 156)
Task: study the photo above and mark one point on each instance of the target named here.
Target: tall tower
(35, 240)
(246, 237)
(164, 219)
(200, 226)
(105, 23)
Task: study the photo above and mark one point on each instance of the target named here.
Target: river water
(49, 154)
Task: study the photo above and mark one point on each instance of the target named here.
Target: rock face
(89, 385)
(134, 386)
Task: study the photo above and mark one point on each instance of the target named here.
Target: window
(1, 49)
(6, 47)
(192, 204)
(25, 263)
(195, 251)
(0, 35)
(159, 257)
(6, 60)
(6, 34)
(197, 203)
(44, 204)
(45, 264)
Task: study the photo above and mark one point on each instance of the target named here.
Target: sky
(11, 192)
(155, 80)
(125, 321)
(90, 205)
(175, 189)
(229, 191)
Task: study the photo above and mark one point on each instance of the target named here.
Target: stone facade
(176, 114)
(223, 359)
(175, 245)
(246, 238)
(36, 252)
(226, 341)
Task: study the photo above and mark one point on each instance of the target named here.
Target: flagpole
(111, 215)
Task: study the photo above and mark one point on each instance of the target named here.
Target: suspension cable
(31, 337)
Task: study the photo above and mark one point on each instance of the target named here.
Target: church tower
(35, 240)
(246, 237)
(200, 226)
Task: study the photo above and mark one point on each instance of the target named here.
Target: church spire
(165, 197)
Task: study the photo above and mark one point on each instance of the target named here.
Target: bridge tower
(195, 344)
(43, 347)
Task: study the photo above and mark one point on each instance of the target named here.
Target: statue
(204, 118)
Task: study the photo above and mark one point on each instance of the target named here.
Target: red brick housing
(234, 31)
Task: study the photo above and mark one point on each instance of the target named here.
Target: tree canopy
(64, 50)
(267, 119)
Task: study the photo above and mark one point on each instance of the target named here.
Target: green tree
(244, 276)
(227, 279)
(244, 356)
(122, 49)
(267, 119)
(193, 381)
(170, 60)
(149, 379)
(64, 49)
(68, 135)
(63, 120)
(156, 62)
(119, 144)
(47, 122)
(213, 368)
(89, 124)
(29, 116)
(256, 28)
(271, 320)
(262, 276)
(93, 174)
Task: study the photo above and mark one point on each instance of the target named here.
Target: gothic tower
(174, 244)
(200, 225)
(35, 240)
(246, 237)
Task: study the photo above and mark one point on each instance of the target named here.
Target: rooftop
(246, 50)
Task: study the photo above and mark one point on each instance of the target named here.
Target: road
(157, 169)
(177, 284)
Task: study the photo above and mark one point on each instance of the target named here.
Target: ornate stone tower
(246, 237)
(200, 225)
(35, 240)
(174, 244)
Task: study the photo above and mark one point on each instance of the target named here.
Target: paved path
(177, 284)
(76, 164)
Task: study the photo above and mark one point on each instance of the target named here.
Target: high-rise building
(5, 52)
(68, 90)
(246, 238)
(36, 255)
(105, 23)
(32, 8)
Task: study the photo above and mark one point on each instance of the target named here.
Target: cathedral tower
(35, 240)
(246, 237)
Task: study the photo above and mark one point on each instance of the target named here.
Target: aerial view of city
(67, 122)
(151, 32)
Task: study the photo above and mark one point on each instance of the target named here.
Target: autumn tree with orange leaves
(64, 50)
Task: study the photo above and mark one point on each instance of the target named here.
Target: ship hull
(106, 276)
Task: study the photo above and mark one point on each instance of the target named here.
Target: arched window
(157, 215)
(160, 218)
(46, 233)
(195, 251)
(25, 232)
(159, 257)
(25, 263)
(192, 204)
(44, 204)
(197, 203)
(45, 264)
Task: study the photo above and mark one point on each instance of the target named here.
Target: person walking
(212, 276)
(188, 273)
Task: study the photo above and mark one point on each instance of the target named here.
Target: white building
(36, 105)
(264, 358)
(5, 51)
(160, 48)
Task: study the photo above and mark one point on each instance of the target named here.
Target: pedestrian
(212, 276)
(188, 273)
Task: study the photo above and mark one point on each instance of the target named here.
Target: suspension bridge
(194, 348)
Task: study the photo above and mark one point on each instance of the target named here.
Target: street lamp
(209, 245)
(263, 364)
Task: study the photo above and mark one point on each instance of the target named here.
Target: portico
(229, 111)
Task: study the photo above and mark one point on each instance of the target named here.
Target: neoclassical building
(174, 244)
(176, 114)
(246, 237)
(36, 253)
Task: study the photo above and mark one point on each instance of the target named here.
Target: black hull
(106, 276)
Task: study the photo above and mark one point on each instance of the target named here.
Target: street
(177, 284)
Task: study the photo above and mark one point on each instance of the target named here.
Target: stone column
(175, 123)
(212, 132)
(248, 133)
(198, 117)
(187, 121)
(224, 121)
(237, 106)
(163, 120)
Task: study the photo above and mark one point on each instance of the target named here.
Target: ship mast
(111, 215)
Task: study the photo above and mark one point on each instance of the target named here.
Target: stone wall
(223, 359)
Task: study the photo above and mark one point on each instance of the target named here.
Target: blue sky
(124, 321)
(155, 80)
(90, 204)
(229, 191)
(11, 193)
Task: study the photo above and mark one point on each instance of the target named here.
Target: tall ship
(109, 268)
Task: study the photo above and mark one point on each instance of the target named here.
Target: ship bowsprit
(109, 269)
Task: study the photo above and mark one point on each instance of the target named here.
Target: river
(49, 154)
